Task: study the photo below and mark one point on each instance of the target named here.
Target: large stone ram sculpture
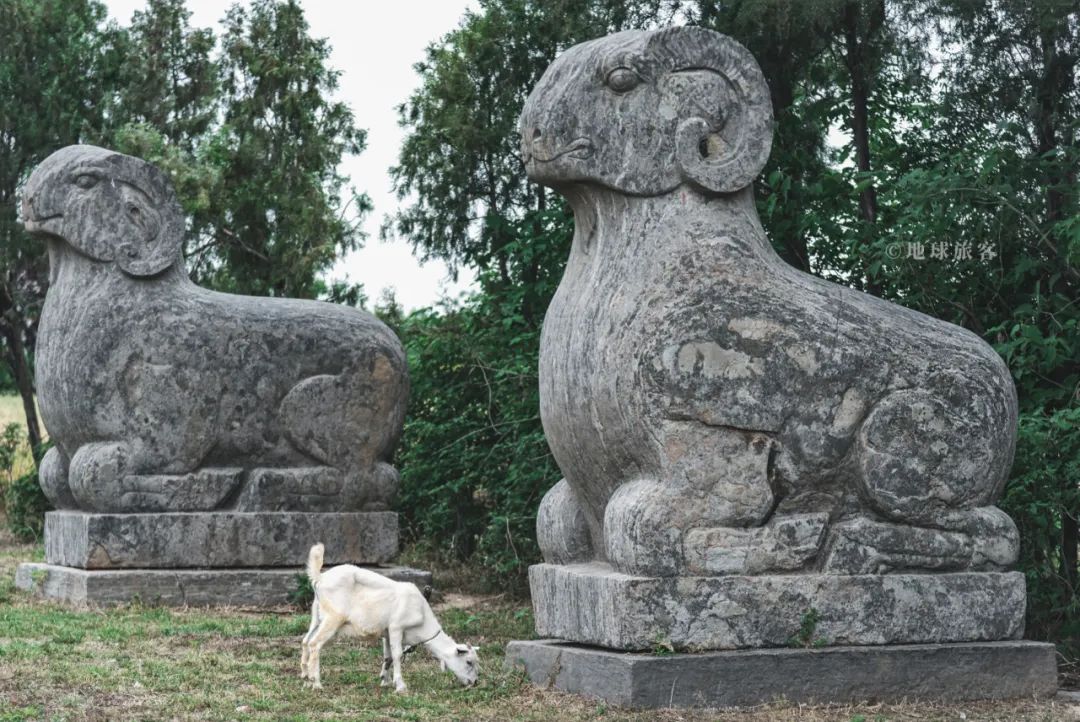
(716, 412)
(160, 395)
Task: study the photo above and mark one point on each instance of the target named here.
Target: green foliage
(23, 500)
(279, 219)
(473, 457)
(303, 593)
(1045, 485)
(459, 164)
(11, 440)
(807, 634)
(662, 646)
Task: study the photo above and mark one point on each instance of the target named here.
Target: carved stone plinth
(592, 604)
(217, 539)
(177, 587)
(924, 672)
(202, 558)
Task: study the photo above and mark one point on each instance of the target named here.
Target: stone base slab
(216, 539)
(967, 671)
(178, 587)
(592, 604)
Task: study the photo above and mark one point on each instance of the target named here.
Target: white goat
(369, 605)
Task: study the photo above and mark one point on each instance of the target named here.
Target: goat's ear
(463, 649)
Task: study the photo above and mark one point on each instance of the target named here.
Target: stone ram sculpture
(715, 411)
(163, 396)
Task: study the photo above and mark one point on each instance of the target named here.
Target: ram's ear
(156, 229)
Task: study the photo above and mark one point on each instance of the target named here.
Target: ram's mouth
(581, 149)
(33, 225)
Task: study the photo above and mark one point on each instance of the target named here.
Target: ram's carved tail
(314, 563)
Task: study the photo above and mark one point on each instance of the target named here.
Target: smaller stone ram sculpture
(714, 410)
(160, 395)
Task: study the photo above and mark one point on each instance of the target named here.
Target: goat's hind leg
(329, 624)
(305, 649)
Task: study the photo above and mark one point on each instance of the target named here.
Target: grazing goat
(369, 605)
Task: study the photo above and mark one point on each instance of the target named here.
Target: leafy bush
(1042, 497)
(24, 502)
(473, 457)
(26, 506)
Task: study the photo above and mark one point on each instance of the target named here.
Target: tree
(459, 162)
(278, 219)
(248, 134)
(51, 57)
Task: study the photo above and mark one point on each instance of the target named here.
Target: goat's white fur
(369, 605)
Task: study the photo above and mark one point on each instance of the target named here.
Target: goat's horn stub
(727, 158)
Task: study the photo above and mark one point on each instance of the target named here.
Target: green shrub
(26, 506)
(23, 500)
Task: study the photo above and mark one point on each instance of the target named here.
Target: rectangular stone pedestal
(216, 539)
(178, 587)
(592, 604)
(966, 671)
(203, 558)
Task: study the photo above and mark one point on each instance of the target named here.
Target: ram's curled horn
(727, 158)
(157, 214)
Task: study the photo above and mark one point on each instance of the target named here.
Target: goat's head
(464, 663)
(108, 206)
(643, 112)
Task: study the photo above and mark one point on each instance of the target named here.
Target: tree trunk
(794, 248)
(858, 59)
(1070, 541)
(20, 369)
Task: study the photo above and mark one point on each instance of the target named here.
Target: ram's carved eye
(86, 181)
(622, 79)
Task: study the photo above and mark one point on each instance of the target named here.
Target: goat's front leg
(394, 635)
(384, 673)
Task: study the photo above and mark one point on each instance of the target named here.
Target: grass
(138, 662)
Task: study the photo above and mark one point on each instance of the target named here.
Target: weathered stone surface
(968, 671)
(692, 383)
(593, 604)
(177, 587)
(217, 539)
(163, 396)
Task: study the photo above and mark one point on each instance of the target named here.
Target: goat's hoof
(400, 689)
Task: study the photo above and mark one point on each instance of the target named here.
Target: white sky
(374, 45)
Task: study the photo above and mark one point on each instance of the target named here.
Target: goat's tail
(314, 563)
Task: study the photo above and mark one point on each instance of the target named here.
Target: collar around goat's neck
(426, 642)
